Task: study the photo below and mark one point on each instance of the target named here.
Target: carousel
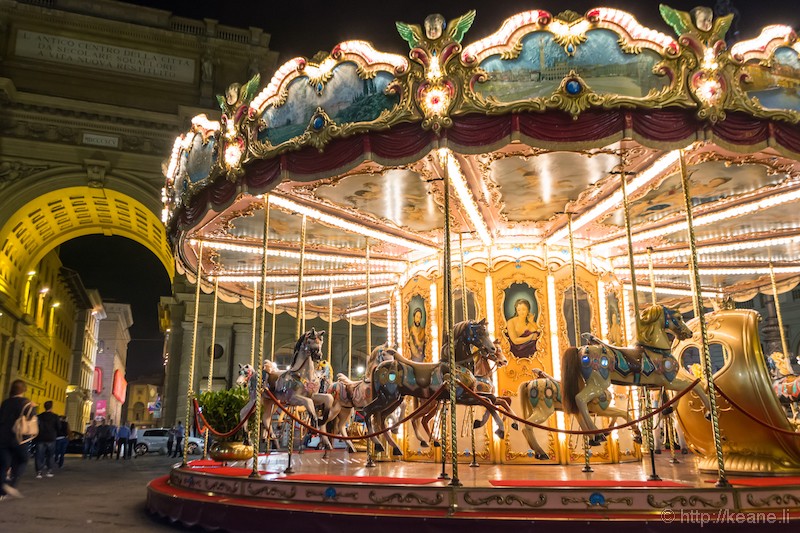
(530, 217)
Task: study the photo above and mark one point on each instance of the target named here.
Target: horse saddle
(625, 361)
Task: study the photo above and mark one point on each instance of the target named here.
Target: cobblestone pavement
(88, 496)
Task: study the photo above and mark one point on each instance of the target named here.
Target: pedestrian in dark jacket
(46, 441)
(62, 440)
(13, 455)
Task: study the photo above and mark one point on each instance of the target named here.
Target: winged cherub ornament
(235, 106)
(433, 49)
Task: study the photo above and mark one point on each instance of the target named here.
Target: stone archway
(59, 215)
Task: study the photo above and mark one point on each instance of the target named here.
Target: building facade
(110, 386)
(143, 405)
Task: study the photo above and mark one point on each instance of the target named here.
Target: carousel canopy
(535, 123)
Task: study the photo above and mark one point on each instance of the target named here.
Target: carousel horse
(588, 371)
(541, 397)
(484, 385)
(298, 386)
(392, 380)
(349, 395)
(785, 382)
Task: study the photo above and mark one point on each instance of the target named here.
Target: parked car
(155, 441)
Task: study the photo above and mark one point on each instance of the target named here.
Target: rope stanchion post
(698, 311)
(190, 388)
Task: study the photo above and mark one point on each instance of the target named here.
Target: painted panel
(542, 64)
(777, 86)
(346, 97)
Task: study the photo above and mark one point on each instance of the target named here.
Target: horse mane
(297, 346)
(458, 330)
(650, 325)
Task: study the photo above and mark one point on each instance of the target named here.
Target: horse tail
(571, 379)
(524, 398)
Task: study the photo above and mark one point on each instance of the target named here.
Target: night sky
(125, 271)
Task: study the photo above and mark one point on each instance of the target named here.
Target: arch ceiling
(61, 215)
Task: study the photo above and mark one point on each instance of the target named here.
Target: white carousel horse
(541, 397)
(298, 386)
(588, 371)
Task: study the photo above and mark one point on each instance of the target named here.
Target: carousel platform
(340, 492)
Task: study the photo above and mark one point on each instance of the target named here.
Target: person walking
(132, 442)
(170, 440)
(62, 439)
(178, 439)
(46, 441)
(123, 437)
(13, 454)
(103, 440)
(89, 439)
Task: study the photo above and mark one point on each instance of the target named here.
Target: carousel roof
(535, 123)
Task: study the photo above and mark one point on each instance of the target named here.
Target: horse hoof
(476, 424)
(500, 433)
(542, 456)
(637, 439)
(397, 452)
(595, 442)
(707, 416)
(437, 444)
(423, 444)
(515, 426)
(395, 431)
(379, 448)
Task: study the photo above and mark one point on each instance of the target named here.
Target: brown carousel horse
(541, 397)
(392, 380)
(785, 382)
(297, 386)
(588, 371)
(483, 376)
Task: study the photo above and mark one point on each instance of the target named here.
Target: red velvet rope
(653, 413)
(754, 418)
(405, 419)
(240, 425)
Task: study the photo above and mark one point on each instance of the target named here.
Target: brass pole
(272, 334)
(653, 298)
(648, 423)
(784, 345)
(370, 448)
(211, 357)
(576, 321)
(465, 314)
(298, 324)
(256, 422)
(190, 389)
(350, 343)
(448, 299)
(330, 325)
(698, 311)
(255, 326)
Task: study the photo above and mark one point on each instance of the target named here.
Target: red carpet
(603, 483)
(775, 481)
(380, 480)
(229, 471)
(204, 462)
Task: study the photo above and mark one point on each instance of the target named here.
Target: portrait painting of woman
(521, 311)
(417, 338)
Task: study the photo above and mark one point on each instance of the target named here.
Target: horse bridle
(669, 317)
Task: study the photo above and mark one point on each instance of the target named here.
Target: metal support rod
(298, 323)
(254, 326)
(635, 300)
(698, 311)
(784, 345)
(648, 424)
(653, 299)
(330, 326)
(369, 300)
(210, 379)
(190, 389)
(448, 299)
(443, 441)
(255, 422)
(465, 315)
(350, 343)
(272, 333)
